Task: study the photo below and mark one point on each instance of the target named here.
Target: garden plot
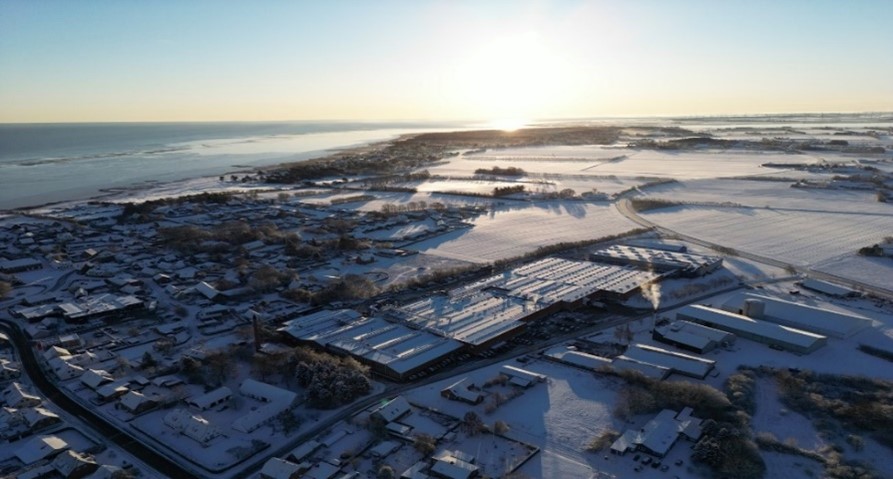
(775, 194)
(512, 231)
(797, 237)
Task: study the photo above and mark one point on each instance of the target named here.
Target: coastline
(200, 183)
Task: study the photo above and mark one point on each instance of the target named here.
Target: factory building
(391, 350)
(795, 315)
(775, 335)
(684, 364)
(661, 260)
(692, 336)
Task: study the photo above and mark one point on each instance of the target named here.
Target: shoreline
(121, 193)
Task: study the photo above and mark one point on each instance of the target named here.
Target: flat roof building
(684, 364)
(692, 336)
(662, 260)
(775, 335)
(796, 315)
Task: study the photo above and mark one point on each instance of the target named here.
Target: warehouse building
(828, 288)
(692, 336)
(661, 260)
(684, 364)
(391, 350)
(775, 335)
(624, 364)
(795, 315)
(571, 357)
(493, 309)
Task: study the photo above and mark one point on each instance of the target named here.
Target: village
(353, 327)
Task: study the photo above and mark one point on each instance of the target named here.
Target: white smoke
(651, 292)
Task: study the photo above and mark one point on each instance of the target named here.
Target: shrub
(603, 440)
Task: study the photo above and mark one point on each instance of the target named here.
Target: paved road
(102, 427)
(624, 206)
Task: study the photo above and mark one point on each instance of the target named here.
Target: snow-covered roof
(449, 466)
(576, 358)
(460, 389)
(513, 372)
(206, 290)
(133, 400)
(279, 400)
(321, 470)
(266, 392)
(113, 389)
(681, 363)
(623, 363)
(70, 461)
(827, 288)
(105, 471)
(393, 409)
(801, 316)
(742, 325)
(208, 399)
(55, 351)
(276, 468)
(304, 450)
(194, 427)
(487, 309)
(93, 378)
(393, 346)
(40, 447)
(17, 395)
(384, 448)
(35, 415)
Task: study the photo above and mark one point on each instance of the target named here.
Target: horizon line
(529, 122)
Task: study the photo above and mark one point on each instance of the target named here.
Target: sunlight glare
(507, 124)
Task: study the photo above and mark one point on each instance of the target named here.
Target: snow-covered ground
(803, 238)
(774, 194)
(521, 227)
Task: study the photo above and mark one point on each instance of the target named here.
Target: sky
(166, 60)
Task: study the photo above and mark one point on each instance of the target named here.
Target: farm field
(776, 194)
(510, 230)
(797, 237)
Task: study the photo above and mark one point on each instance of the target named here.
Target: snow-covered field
(776, 194)
(797, 237)
(520, 227)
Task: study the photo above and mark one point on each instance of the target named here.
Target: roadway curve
(624, 206)
(112, 433)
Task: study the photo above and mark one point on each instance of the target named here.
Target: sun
(507, 124)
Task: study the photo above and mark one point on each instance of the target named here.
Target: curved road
(101, 426)
(624, 206)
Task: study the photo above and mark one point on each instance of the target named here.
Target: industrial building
(795, 315)
(828, 288)
(684, 364)
(661, 260)
(493, 309)
(565, 355)
(692, 336)
(392, 350)
(623, 364)
(775, 335)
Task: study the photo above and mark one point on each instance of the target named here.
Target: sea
(49, 163)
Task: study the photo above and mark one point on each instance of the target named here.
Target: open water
(44, 163)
